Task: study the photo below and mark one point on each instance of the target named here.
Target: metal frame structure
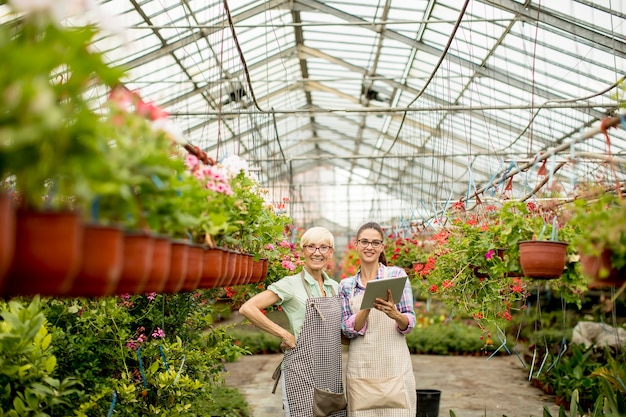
(385, 110)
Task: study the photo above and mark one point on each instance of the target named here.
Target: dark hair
(373, 225)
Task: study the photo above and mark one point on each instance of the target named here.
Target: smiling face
(317, 248)
(370, 244)
(317, 255)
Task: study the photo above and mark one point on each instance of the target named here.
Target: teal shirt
(293, 296)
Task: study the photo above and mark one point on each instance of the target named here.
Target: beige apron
(381, 353)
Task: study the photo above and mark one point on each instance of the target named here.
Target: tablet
(378, 289)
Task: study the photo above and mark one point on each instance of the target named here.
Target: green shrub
(27, 364)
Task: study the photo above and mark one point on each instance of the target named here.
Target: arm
(349, 325)
(253, 311)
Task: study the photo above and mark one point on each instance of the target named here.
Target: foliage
(156, 353)
(27, 364)
(605, 211)
(580, 369)
(49, 133)
(469, 273)
(404, 248)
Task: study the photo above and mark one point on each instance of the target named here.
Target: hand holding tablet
(378, 289)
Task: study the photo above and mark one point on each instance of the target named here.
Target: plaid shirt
(350, 287)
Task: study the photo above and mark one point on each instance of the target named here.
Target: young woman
(379, 373)
(313, 346)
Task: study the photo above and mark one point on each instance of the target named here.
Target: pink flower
(191, 161)
(489, 254)
(151, 296)
(158, 333)
(288, 265)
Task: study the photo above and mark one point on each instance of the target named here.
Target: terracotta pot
(160, 265)
(195, 264)
(178, 267)
(7, 235)
(229, 269)
(101, 266)
(138, 253)
(542, 258)
(250, 261)
(242, 269)
(48, 253)
(257, 271)
(213, 261)
(592, 266)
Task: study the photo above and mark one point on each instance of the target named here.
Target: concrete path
(470, 386)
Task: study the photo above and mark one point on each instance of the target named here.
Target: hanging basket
(48, 253)
(544, 259)
(601, 271)
(101, 266)
(138, 253)
(195, 265)
(159, 266)
(178, 267)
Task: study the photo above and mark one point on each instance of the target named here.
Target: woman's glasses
(312, 248)
(364, 243)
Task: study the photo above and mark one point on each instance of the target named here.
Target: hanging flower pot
(178, 267)
(242, 269)
(160, 265)
(229, 269)
(48, 253)
(250, 265)
(257, 271)
(7, 235)
(542, 258)
(601, 271)
(195, 264)
(213, 262)
(138, 254)
(101, 266)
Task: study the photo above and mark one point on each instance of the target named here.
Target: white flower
(233, 165)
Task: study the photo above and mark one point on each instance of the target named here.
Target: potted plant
(530, 221)
(602, 239)
(468, 275)
(49, 133)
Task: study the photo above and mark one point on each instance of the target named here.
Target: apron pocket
(371, 393)
(326, 402)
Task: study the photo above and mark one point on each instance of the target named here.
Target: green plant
(154, 353)
(470, 276)
(605, 211)
(49, 132)
(27, 364)
(404, 251)
(519, 221)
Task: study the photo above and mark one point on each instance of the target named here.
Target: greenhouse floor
(471, 386)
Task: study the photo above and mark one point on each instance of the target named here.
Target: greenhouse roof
(387, 110)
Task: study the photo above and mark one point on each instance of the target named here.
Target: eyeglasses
(364, 243)
(312, 248)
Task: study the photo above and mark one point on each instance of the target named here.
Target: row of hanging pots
(55, 254)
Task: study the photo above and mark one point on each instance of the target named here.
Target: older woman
(312, 346)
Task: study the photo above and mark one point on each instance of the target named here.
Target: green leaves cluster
(27, 364)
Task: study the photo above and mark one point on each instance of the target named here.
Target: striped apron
(315, 362)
